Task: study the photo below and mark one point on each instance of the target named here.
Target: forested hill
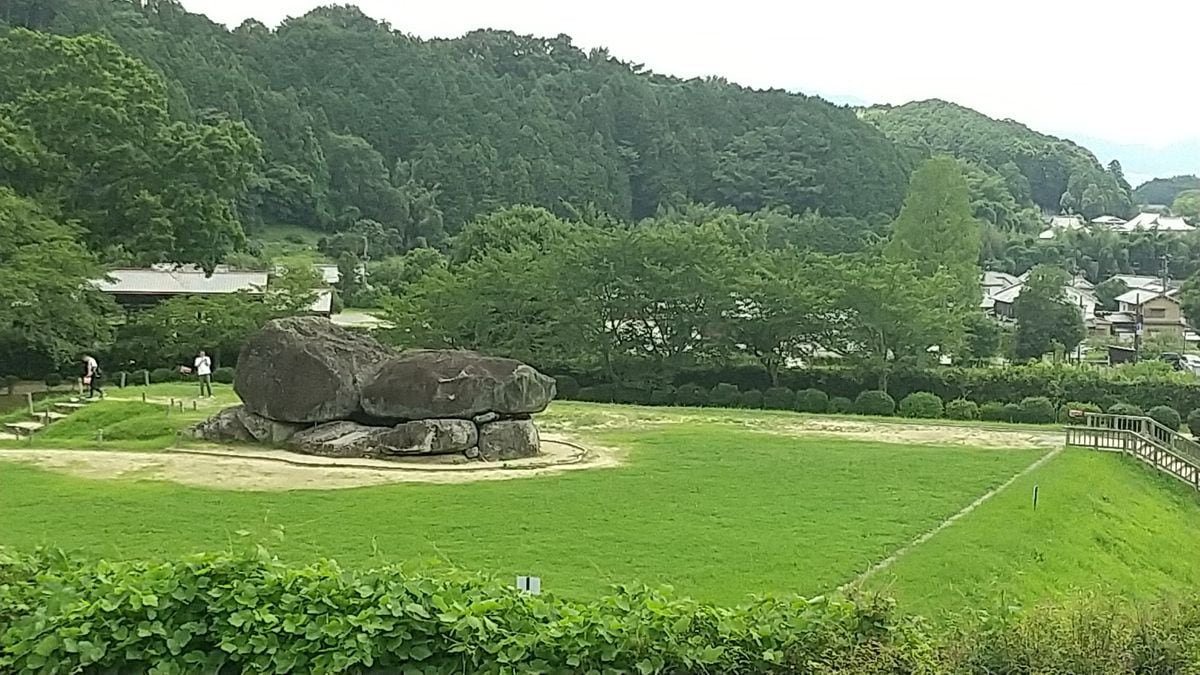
(1053, 173)
(360, 121)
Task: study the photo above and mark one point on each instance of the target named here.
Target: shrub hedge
(1166, 416)
(993, 412)
(223, 613)
(251, 614)
(1064, 412)
(875, 402)
(723, 395)
(1193, 423)
(921, 404)
(812, 401)
(1036, 410)
(691, 395)
(565, 385)
(225, 375)
(752, 399)
(962, 409)
(841, 405)
(779, 398)
(160, 375)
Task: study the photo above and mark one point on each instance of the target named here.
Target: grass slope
(719, 513)
(1103, 523)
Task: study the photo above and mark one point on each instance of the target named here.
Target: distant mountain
(1162, 191)
(1051, 172)
(1143, 163)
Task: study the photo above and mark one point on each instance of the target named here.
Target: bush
(1012, 411)
(921, 404)
(812, 401)
(875, 402)
(160, 375)
(1193, 422)
(779, 398)
(1125, 409)
(1064, 412)
(601, 393)
(751, 400)
(226, 375)
(231, 614)
(10, 383)
(993, 412)
(1036, 410)
(840, 405)
(663, 396)
(1166, 416)
(566, 386)
(962, 409)
(723, 395)
(138, 377)
(53, 379)
(691, 395)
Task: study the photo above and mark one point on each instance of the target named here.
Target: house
(991, 282)
(146, 287)
(1062, 223)
(1133, 281)
(1159, 310)
(1078, 293)
(1155, 222)
(1107, 222)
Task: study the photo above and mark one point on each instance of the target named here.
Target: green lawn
(719, 513)
(1103, 523)
(719, 503)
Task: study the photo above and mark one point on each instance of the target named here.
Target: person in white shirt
(91, 376)
(204, 373)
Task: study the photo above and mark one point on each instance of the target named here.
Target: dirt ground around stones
(278, 470)
(564, 436)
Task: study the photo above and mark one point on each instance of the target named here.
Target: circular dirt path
(274, 470)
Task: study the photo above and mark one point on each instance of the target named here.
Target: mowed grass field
(704, 501)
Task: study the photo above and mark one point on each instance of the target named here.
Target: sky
(1119, 72)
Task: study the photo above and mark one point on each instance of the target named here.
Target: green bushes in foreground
(921, 404)
(231, 613)
(222, 613)
(1166, 416)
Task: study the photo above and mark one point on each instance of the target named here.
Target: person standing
(204, 374)
(91, 376)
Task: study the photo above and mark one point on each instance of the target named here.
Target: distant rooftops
(188, 280)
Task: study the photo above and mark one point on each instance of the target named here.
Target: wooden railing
(1143, 438)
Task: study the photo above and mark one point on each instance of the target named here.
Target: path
(274, 470)
(899, 553)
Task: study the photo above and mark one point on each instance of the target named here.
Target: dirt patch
(276, 470)
(790, 424)
(921, 434)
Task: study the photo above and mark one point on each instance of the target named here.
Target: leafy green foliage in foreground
(250, 613)
(204, 613)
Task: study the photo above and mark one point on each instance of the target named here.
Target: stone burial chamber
(314, 388)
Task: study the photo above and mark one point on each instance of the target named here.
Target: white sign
(532, 585)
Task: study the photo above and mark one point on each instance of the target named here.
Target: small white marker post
(530, 585)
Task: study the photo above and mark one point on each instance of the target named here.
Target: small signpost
(1035, 496)
(531, 585)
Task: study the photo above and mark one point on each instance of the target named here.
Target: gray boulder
(508, 439)
(454, 384)
(264, 430)
(427, 437)
(224, 427)
(305, 370)
(336, 439)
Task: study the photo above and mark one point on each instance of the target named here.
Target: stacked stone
(314, 388)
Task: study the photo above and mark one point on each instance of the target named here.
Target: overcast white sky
(1121, 71)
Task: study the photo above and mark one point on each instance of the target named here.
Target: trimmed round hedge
(875, 402)
(1036, 410)
(779, 398)
(1166, 416)
(962, 409)
(922, 404)
(812, 401)
(840, 405)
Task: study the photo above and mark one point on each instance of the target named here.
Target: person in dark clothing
(91, 376)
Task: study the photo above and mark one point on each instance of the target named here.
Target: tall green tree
(936, 231)
(1187, 205)
(48, 306)
(1046, 319)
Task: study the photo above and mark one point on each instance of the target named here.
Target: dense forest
(137, 132)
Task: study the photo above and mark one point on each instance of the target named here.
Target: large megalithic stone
(427, 384)
(305, 370)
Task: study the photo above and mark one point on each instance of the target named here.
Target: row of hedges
(1145, 385)
(227, 614)
(921, 404)
(252, 614)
